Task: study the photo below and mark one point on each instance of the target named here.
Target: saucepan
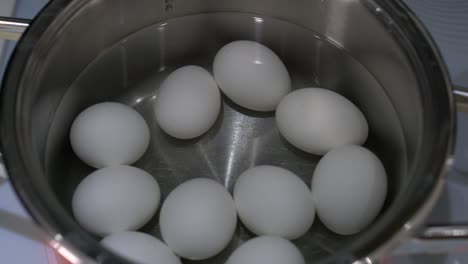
(78, 52)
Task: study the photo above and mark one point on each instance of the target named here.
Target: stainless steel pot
(78, 52)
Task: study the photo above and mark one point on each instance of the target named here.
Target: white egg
(140, 248)
(107, 134)
(274, 201)
(266, 250)
(251, 75)
(198, 219)
(188, 102)
(318, 120)
(349, 186)
(115, 199)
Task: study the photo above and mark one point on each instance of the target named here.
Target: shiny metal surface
(445, 232)
(12, 28)
(3, 173)
(461, 97)
(373, 52)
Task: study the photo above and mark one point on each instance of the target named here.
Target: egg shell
(140, 248)
(273, 201)
(266, 250)
(349, 186)
(198, 219)
(115, 199)
(188, 102)
(108, 134)
(251, 75)
(318, 120)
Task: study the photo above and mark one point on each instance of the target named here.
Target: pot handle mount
(461, 98)
(12, 28)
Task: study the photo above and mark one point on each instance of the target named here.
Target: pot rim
(53, 14)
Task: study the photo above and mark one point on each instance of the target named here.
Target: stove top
(20, 240)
